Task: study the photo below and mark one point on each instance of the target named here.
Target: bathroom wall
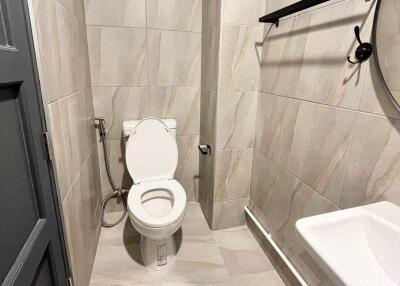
(63, 61)
(231, 56)
(145, 59)
(327, 136)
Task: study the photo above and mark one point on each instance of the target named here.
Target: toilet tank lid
(129, 125)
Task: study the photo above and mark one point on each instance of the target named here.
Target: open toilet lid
(151, 152)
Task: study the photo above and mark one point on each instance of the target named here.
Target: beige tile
(232, 174)
(60, 155)
(243, 12)
(375, 97)
(235, 120)
(119, 173)
(319, 146)
(65, 67)
(179, 103)
(311, 141)
(330, 80)
(274, 125)
(239, 63)
(118, 56)
(211, 13)
(373, 170)
(76, 7)
(74, 127)
(124, 13)
(45, 20)
(210, 58)
(228, 214)
(208, 109)
(188, 157)
(117, 104)
(264, 176)
(270, 278)
(281, 58)
(207, 207)
(176, 58)
(191, 186)
(241, 253)
(177, 15)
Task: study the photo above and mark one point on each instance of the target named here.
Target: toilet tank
(129, 126)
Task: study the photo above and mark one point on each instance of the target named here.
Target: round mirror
(387, 45)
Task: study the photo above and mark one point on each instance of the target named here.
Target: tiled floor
(224, 257)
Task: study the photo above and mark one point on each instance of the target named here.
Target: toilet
(156, 202)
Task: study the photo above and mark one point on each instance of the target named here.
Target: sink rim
(382, 212)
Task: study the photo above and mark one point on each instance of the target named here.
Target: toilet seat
(137, 210)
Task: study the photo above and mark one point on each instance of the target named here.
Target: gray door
(32, 249)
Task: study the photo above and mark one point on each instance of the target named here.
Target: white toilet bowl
(156, 202)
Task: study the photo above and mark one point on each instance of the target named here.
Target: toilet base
(158, 255)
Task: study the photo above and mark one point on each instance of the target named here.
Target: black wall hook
(364, 50)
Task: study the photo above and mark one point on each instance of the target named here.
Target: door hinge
(46, 145)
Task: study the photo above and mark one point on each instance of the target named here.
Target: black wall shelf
(288, 10)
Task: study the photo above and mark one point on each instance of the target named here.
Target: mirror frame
(376, 57)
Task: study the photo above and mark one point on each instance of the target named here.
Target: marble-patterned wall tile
(75, 7)
(239, 62)
(74, 128)
(207, 206)
(275, 121)
(235, 120)
(177, 15)
(211, 13)
(83, 201)
(208, 109)
(60, 155)
(311, 141)
(168, 64)
(117, 104)
(319, 147)
(281, 47)
(328, 79)
(191, 186)
(119, 173)
(179, 103)
(264, 176)
(118, 57)
(45, 20)
(232, 174)
(374, 97)
(66, 49)
(229, 214)
(373, 169)
(188, 157)
(73, 227)
(210, 58)
(291, 201)
(124, 13)
(243, 12)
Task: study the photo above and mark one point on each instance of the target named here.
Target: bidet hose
(118, 192)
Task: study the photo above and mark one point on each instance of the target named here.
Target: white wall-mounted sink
(358, 246)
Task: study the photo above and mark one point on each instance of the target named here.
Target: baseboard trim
(278, 252)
